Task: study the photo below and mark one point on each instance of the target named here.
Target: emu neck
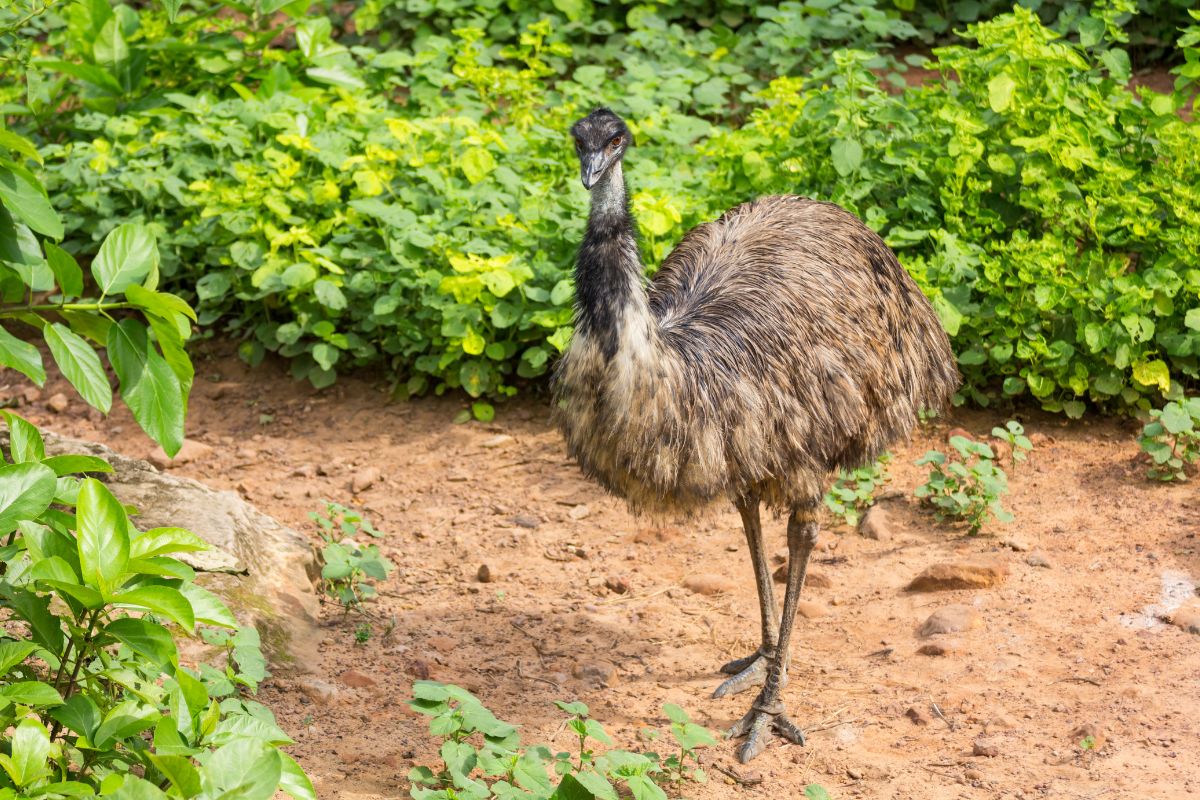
(610, 299)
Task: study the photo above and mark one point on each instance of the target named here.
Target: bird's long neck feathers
(611, 303)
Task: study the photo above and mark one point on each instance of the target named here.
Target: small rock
(810, 610)
(419, 668)
(876, 525)
(1002, 722)
(708, 584)
(579, 512)
(190, 451)
(985, 747)
(318, 691)
(617, 584)
(918, 715)
(526, 521)
(780, 574)
(57, 403)
(31, 394)
(1038, 559)
(484, 574)
(960, 575)
(1015, 543)
(937, 649)
(816, 580)
(358, 680)
(364, 479)
(963, 432)
(973, 775)
(780, 556)
(1187, 619)
(854, 773)
(304, 471)
(656, 535)
(499, 440)
(951, 619)
(594, 672)
(442, 644)
(1088, 730)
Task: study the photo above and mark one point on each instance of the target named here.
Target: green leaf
(1116, 61)
(245, 768)
(66, 270)
(161, 303)
(30, 693)
(30, 750)
(80, 714)
(126, 257)
(1175, 419)
(34, 610)
(1000, 92)
(1192, 319)
(21, 356)
(72, 464)
(24, 440)
(110, 48)
(172, 8)
(161, 600)
(13, 653)
(103, 537)
(148, 639)
(477, 163)
(26, 201)
(180, 771)
(1153, 373)
(80, 365)
(160, 541)
(571, 789)
(847, 156)
(207, 607)
(26, 490)
(149, 386)
(816, 792)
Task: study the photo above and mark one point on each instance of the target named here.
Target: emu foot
(747, 672)
(762, 720)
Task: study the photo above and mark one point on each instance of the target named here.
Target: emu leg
(752, 670)
(766, 715)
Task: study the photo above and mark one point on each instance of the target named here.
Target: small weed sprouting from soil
(966, 483)
(483, 758)
(349, 565)
(854, 490)
(1172, 440)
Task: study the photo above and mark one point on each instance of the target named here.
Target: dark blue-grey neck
(608, 272)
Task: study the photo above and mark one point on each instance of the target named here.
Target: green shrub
(854, 490)
(484, 758)
(346, 207)
(965, 484)
(1172, 440)
(91, 685)
(349, 565)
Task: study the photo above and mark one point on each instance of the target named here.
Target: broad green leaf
(816, 792)
(26, 490)
(66, 270)
(180, 771)
(160, 541)
(1153, 373)
(294, 782)
(103, 537)
(34, 610)
(127, 718)
(13, 653)
(571, 789)
(80, 365)
(72, 464)
(30, 749)
(110, 47)
(161, 600)
(126, 257)
(148, 384)
(80, 714)
(160, 303)
(172, 8)
(21, 356)
(26, 201)
(207, 607)
(477, 163)
(847, 156)
(245, 768)
(30, 693)
(1000, 92)
(24, 440)
(148, 639)
(1176, 419)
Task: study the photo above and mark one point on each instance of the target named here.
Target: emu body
(774, 346)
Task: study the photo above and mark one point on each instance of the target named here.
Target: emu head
(601, 139)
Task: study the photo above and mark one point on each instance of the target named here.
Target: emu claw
(755, 726)
(747, 672)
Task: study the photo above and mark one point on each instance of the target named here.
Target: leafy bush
(343, 206)
(483, 757)
(854, 490)
(965, 484)
(1172, 439)
(91, 683)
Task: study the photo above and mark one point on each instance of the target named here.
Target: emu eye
(615, 143)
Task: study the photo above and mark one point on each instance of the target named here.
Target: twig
(737, 778)
(942, 716)
(535, 677)
(1080, 679)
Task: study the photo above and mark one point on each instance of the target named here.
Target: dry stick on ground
(523, 676)
(738, 779)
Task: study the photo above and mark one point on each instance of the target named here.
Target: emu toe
(758, 726)
(747, 672)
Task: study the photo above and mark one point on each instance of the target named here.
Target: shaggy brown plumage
(774, 346)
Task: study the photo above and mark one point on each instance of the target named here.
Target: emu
(774, 346)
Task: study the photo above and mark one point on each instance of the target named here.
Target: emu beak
(591, 168)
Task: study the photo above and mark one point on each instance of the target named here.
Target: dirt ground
(1071, 638)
